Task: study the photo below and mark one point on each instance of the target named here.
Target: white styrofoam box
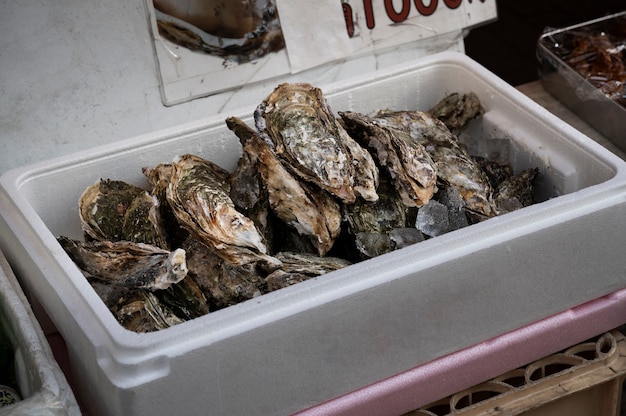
(43, 386)
(292, 349)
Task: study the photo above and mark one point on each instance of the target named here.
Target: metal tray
(572, 89)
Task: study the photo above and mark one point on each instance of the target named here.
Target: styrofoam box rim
(120, 348)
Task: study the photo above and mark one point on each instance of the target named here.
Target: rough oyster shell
(143, 223)
(409, 165)
(516, 191)
(129, 264)
(223, 284)
(102, 207)
(198, 194)
(141, 311)
(301, 129)
(159, 178)
(456, 110)
(455, 167)
(310, 211)
(298, 267)
(375, 228)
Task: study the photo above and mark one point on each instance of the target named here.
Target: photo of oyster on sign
(239, 31)
(204, 47)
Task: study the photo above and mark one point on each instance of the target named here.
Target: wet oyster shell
(199, 196)
(143, 222)
(380, 216)
(312, 212)
(455, 167)
(125, 263)
(159, 178)
(496, 172)
(102, 207)
(185, 299)
(456, 110)
(301, 129)
(516, 191)
(406, 161)
(141, 311)
(250, 195)
(222, 283)
(298, 267)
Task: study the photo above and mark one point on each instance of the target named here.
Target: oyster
(198, 194)
(249, 194)
(456, 110)
(516, 191)
(369, 224)
(370, 244)
(222, 283)
(185, 299)
(455, 167)
(312, 212)
(159, 178)
(496, 172)
(409, 165)
(297, 122)
(129, 264)
(141, 311)
(298, 267)
(380, 216)
(143, 223)
(102, 207)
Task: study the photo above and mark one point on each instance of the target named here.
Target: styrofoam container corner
(289, 350)
(43, 386)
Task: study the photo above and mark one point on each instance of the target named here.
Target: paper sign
(340, 29)
(193, 62)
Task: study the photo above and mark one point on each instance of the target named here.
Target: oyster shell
(222, 283)
(378, 227)
(310, 211)
(129, 264)
(301, 129)
(380, 216)
(141, 311)
(455, 167)
(199, 196)
(409, 165)
(456, 110)
(496, 172)
(185, 299)
(298, 267)
(249, 194)
(179, 302)
(516, 191)
(159, 178)
(143, 222)
(102, 207)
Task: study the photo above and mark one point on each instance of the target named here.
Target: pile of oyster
(312, 193)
